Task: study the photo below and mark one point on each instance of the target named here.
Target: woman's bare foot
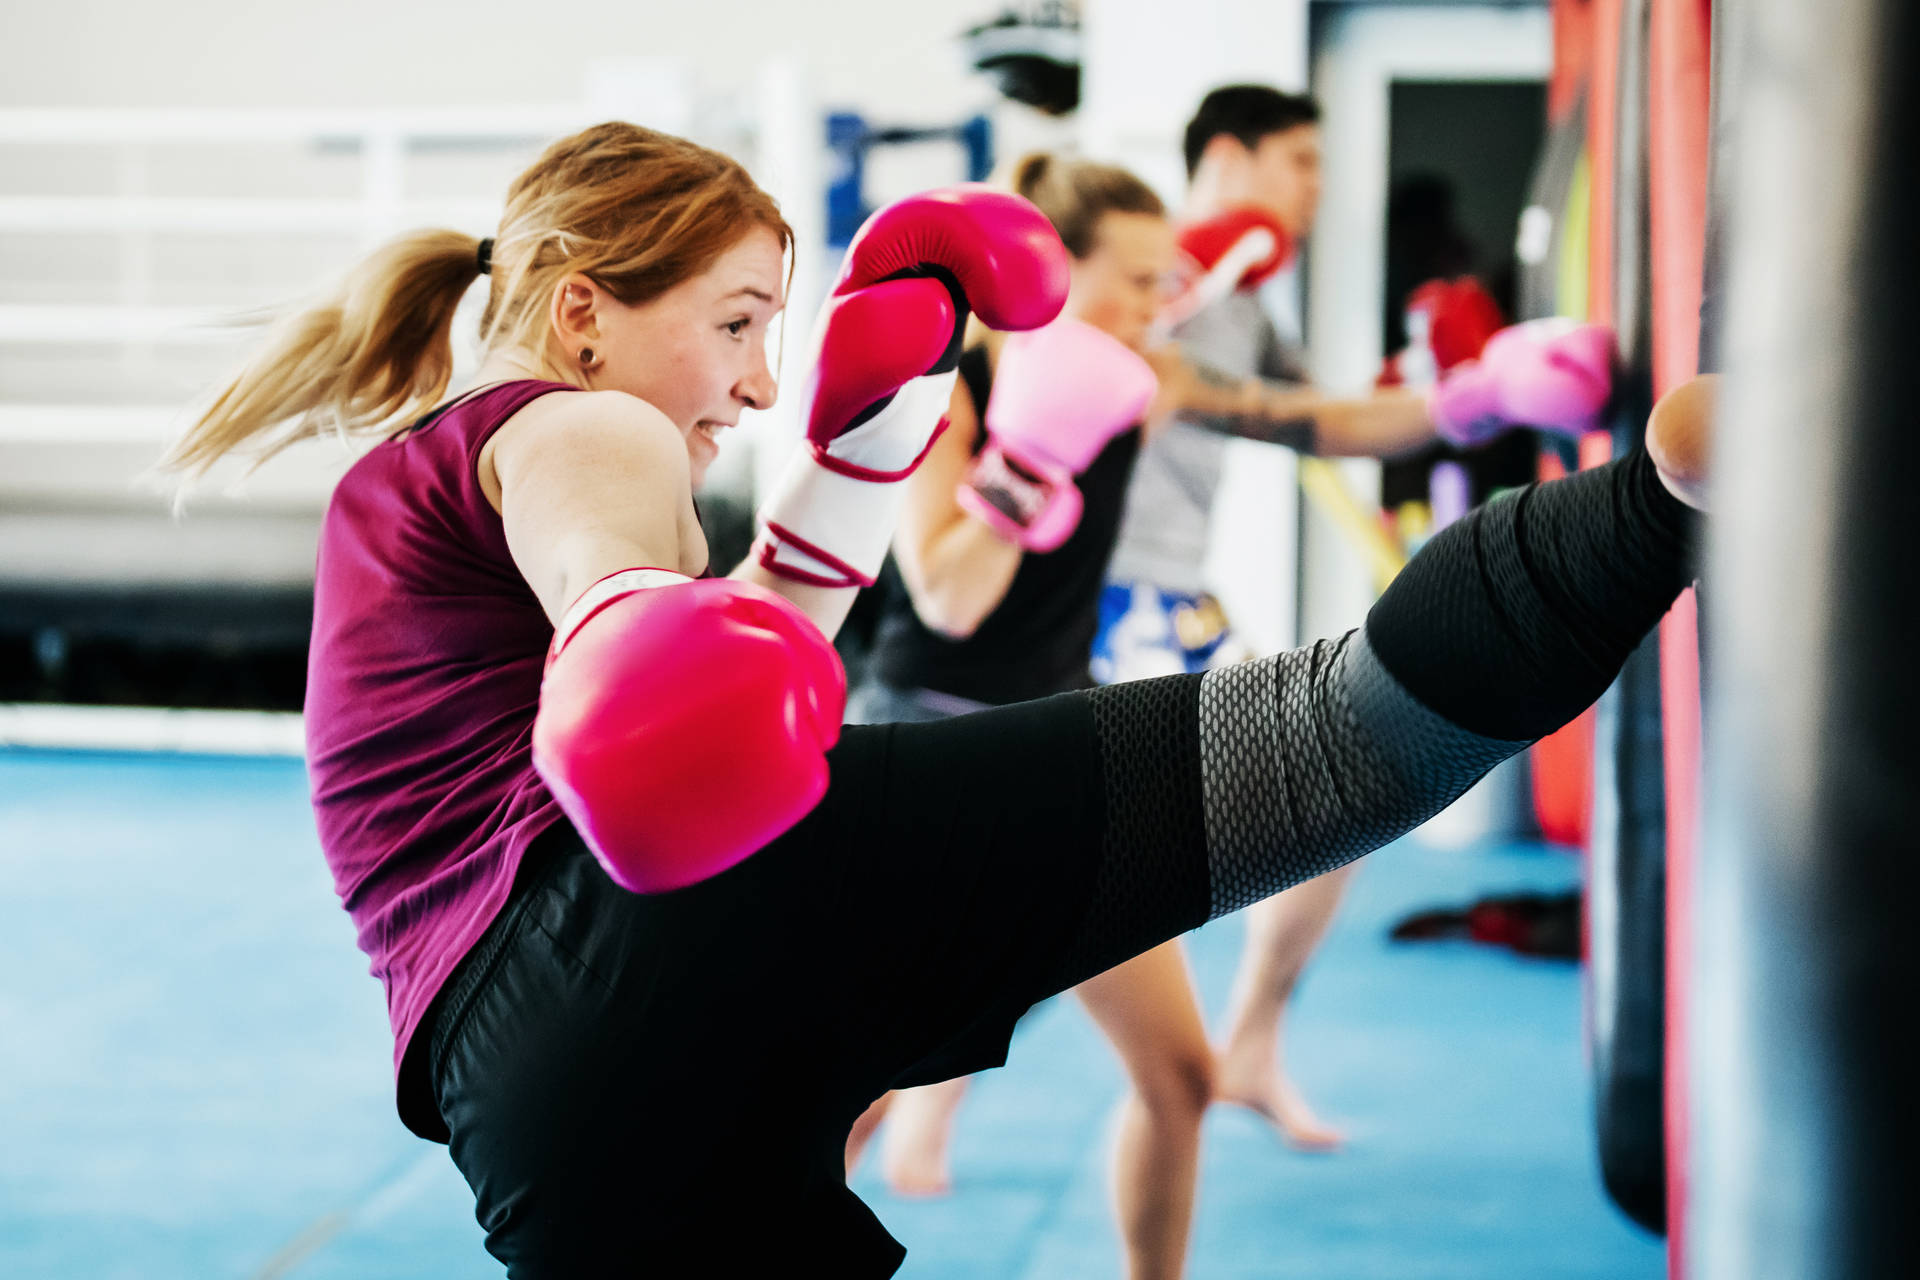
(913, 1150)
(1253, 1079)
(1680, 435)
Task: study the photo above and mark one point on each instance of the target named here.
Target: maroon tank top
(422, 683)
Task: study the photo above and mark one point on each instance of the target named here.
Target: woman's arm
(956, 568)
(656, 687)
(589, 484)
(826, 607)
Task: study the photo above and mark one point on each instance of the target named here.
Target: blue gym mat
(195, 1077)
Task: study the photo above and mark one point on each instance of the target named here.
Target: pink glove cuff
(1555, 374)
(1036, 507)
(1465, 406)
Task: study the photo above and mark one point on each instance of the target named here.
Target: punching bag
(1805, 955)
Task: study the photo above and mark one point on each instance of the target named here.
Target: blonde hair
(634, 210)
(1076, 194)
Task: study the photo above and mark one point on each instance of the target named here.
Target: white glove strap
(828, 529)
(895, 437)
(831, 529)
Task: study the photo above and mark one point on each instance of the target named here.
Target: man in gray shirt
(1163, 537)
(1247, 145)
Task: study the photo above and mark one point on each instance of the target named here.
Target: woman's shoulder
(608, 433)
(589, 419)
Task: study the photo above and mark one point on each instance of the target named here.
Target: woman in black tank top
(968, 618)
(1036, 639)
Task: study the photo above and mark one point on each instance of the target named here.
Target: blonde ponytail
(1076, 194)
(1029, 171)
(368, 358)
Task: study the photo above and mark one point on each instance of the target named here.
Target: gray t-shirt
(1163, 535)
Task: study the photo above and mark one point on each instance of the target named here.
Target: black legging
(663, 1085)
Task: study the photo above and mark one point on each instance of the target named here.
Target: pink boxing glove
(684, 724)
(890, 337)
(1554, 375)
(997, 253)
(1059, 395)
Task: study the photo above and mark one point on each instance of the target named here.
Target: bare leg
(1282, 933)
(913, 1149)
(1147, 1009)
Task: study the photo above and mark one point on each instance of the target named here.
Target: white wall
(1149, 62)
(898, 62)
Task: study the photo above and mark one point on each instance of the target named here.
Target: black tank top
(1038, 641)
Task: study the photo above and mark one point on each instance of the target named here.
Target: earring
(587, 358)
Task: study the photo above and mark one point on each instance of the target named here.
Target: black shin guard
(1513, 620)
(1311, 758)
(1225, 788)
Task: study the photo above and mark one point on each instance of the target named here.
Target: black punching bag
(1805, 1132)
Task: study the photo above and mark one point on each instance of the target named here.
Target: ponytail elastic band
(485, 256)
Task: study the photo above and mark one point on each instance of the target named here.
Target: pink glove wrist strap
(1022, 503)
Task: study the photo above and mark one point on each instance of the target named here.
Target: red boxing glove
(1240, 248)
(1059, 395)
(1448, 322)
(684, 724)
(1453, 319)
(898, 314)
(1247, 237)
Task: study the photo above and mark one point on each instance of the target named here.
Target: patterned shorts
(1148, 631)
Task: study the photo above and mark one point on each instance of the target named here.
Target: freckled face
(698, 352)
